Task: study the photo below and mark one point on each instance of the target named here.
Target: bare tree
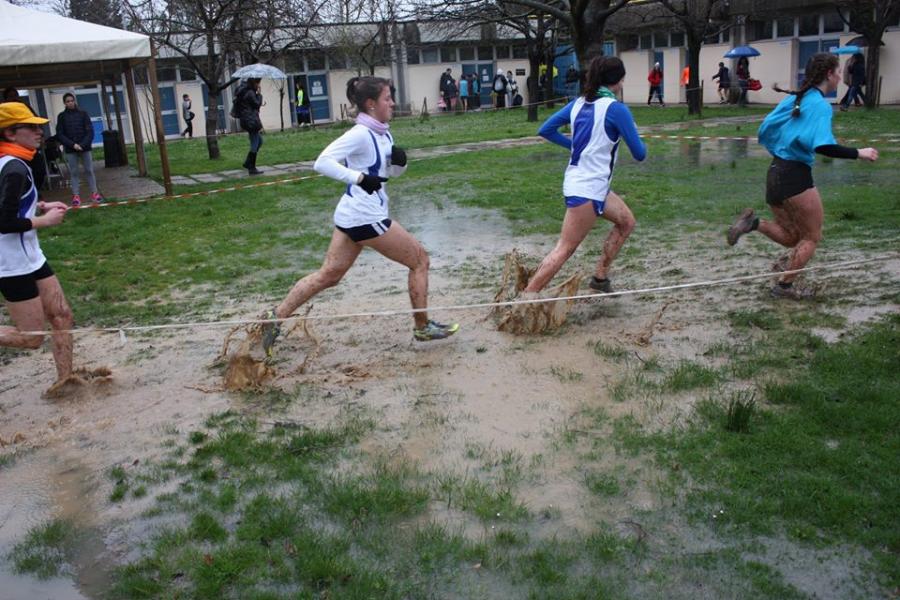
(361, 32)
(585, 19)
(209, 35)
(698, 19)
(870, 18)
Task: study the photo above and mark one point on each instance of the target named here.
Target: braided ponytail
(817, 69)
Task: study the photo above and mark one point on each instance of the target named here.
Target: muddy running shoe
(269, 332)
(434, 331)
(745, 223)
(792, 292)
(601, 285)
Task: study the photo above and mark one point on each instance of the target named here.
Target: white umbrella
(259, 71)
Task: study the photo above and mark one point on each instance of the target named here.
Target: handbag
(754, 85)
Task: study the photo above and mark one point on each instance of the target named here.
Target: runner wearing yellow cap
(32, 292)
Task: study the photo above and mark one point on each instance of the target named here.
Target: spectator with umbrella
(742, 53)
(247, 102)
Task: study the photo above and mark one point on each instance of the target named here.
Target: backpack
(499, 83)
(236, 104)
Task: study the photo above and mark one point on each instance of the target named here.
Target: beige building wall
(637, 65)
(889, 67)
(674, 60)
(423, 84)
(777, 63)
(195, 91)
(337, 89)
(269, 112)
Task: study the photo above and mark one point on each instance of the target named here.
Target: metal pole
(157, 115)
(135, 121)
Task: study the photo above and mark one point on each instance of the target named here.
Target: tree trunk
(693, 92)
(212, 123)
(534, 66)
(587, 38)
(872, 66)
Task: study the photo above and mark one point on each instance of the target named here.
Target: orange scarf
(17, 151)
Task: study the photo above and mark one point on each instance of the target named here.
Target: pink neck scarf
(372, 123)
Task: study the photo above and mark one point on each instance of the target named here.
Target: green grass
(45, 550)
(821, 468)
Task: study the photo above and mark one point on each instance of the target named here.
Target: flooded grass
(46, 549)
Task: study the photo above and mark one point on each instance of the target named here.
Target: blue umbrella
(741, 51)
(844, 49)
(258, 71)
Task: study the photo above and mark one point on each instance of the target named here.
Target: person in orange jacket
(655, 78)
(685, 76)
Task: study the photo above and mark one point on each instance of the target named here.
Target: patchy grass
(817, 468)
(45, 550)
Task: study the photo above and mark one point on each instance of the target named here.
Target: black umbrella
(861, 42)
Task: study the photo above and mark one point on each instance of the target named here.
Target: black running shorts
(787, 178)
(366, 232)
(24, 287)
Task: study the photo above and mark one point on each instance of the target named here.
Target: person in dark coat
(248, 100)
(724, 77)
(75, 132)
(857, 81)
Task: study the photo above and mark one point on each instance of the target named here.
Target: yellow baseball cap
(16, 113)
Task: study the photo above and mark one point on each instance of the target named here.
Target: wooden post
(121, 131)
(157, 115)
(135, 121)
(700, 106)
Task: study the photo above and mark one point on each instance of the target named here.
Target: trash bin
(112, 151)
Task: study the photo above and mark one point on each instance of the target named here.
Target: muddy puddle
(447, 406)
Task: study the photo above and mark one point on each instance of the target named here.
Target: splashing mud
(531, 318)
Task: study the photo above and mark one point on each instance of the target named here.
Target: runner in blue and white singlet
(598, 122)
(32, 292)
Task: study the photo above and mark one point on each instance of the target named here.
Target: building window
(467, 53)
(186, 72)
(809, 25)
(520, 52)
(832, 23)
(485, 53)
(660, 39)
(677, 39)
(315, 61)
(448, 55)
(784, 27)
(166, 73)
(430, 55)
(502, 51)
(412, 56)
(646, 42)
(760, 30)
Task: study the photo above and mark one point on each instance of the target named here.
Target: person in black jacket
(857, 80)
(76, 133)
(248, 100)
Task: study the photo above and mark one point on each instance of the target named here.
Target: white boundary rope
(459, 307)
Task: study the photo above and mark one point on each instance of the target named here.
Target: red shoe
(76, 200)
(96, 198)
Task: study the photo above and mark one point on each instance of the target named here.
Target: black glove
(398, 156)
(371, 183)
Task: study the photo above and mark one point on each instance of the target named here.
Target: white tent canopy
(39, 49)
(31, 37)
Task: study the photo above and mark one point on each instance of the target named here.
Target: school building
(423, 51)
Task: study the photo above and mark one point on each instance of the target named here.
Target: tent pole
(135, 121)
(157, 115)
(115, 95)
